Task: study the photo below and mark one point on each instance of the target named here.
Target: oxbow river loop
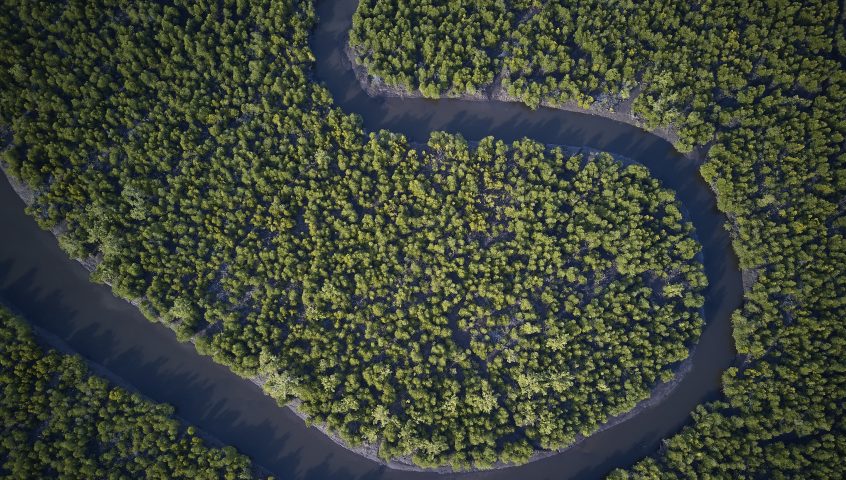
(53, 291)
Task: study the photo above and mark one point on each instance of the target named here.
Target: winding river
(39, 281)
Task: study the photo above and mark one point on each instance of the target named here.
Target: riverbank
(658, 394)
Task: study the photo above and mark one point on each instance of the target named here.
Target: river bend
(38, 280)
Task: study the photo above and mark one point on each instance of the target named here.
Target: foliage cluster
(59, 421)
(435, 46)
(455, 304)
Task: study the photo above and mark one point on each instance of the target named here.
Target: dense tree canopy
(762, 86)
(59, 421)
(453, 303)
(432, 47)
